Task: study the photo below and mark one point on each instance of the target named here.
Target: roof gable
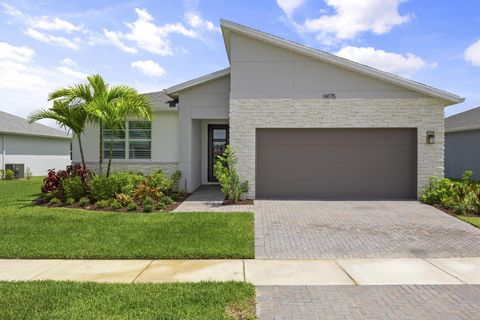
(12, 124)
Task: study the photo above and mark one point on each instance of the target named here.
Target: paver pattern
(208, 198)
(452, 302)
(359, 229)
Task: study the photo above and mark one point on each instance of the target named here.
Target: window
(135, 139)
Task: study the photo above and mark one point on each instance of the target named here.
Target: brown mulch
(235, 203)
(453, 213)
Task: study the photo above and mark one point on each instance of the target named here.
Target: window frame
(126, 140)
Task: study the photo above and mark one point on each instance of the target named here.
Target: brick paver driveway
(359, 229)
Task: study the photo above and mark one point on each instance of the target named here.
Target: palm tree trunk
(100, 156)
(110, 156)
(81, 151)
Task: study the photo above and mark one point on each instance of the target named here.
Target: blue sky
(152, 45)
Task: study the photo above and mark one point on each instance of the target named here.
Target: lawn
(75, 300)
(472, 220)
(38, 232)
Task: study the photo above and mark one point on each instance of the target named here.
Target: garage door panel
(336, 163)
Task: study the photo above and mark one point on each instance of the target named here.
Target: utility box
(18, 168)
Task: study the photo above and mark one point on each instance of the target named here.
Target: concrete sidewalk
(408, 271)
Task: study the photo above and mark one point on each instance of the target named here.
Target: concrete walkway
(345, 272)
(208, 198)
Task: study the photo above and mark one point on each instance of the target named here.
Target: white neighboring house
(34, 146)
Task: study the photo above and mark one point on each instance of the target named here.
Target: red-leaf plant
(53, 181)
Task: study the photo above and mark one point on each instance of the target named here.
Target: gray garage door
(336, 163)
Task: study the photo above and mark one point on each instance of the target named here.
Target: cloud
(472, 54)
(289, 6)
(66, 68)
(57, 41)
(149, 68)
(146, 35)
(403, 65)
(17, 54)
(54, 24)
(353, 17)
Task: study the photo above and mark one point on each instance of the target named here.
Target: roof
(160, 100)
(468, 120)
(197, 81)
(229, 26)
(12, 124)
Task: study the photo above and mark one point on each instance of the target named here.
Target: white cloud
(68, 62)
(16, 54)
(66, 68)
(472, 54)
(11, 11)
(289, 6)
(353, 17)
(195, 21)
(113, 37)
(57, 41)
(149, 68)
(403, 65)
(54, 24)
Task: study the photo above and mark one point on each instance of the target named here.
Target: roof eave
(36, 135)
(174, 90)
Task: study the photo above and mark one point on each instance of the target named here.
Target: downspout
(3, 151)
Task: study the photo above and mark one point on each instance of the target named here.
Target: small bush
(70, 201)
(2, 174)
(160, 206)
(55, 201)
(102, 204)
(28, 173)
(116, 205)
(126, 182)
(166, 200)
(228, 177)
(123, 199)
(103, 188)
(53, 181)
(147, 204)
(132, 206)
(83, 202)
(144, 190)
(73, 188)
(9, 174)
(48, 196)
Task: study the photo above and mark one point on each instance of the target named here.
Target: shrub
(103, 188)
(55, 201)
(126, 182)
(102, 204)
(132, 206)
(144, 190)
(83, 202)
(69, 201)
(438, 191)
(2, 174)
(28, 173)
(160, 206)
(123, 199)
(227, 175)
(53, 181)
(9, 174)
(46, 197)
(116, 205)
(73, 188)
(165, 184)
(147, 204)
(166, 200)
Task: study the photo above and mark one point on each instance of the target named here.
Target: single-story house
(304, 124)
(34, 146)
(462, 144)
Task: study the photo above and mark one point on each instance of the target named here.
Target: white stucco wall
(37, 153)
(424, 114)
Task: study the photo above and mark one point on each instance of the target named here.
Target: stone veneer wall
(422, 113)
(143, 167)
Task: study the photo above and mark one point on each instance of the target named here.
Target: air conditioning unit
(18, 168)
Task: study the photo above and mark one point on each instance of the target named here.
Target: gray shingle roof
(160, 99)
(467, 120)
(10, 123)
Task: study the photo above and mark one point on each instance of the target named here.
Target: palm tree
(111, 105)
(71, 117)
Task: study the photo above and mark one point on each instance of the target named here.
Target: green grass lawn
(472, 220)
(74, 300)
(29, 231)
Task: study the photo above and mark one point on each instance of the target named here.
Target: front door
(217, 142)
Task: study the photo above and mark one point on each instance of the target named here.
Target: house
(462, 144)
(34, 146)
(304, 124)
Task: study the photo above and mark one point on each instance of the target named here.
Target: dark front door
(217, 142)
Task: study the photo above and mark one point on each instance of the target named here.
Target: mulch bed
(453, 213)
(236, 203)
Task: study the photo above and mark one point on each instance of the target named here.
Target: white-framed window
(134, 141)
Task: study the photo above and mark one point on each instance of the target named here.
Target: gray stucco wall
(462, 152)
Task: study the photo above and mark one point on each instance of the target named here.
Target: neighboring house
(462, 144)
(33, 146)
(304, 123)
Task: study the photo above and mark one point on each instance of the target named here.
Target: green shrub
(160, 206)
(9, 174)
(83, 202)
(227, 175)
(438, 191)
(55, 201)
(126, 182)
(166, 200)
(123, 199)
(102, 204)
(116, 205)
(47, 196)
(2, 174)
(28, 173)
(103, 188)
(73, 188)
(147, 204)
(70, 201)
(132, 206)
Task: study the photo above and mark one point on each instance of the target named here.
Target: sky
(152, 45)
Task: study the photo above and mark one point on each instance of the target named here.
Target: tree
(71, 117)
(111, 105)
